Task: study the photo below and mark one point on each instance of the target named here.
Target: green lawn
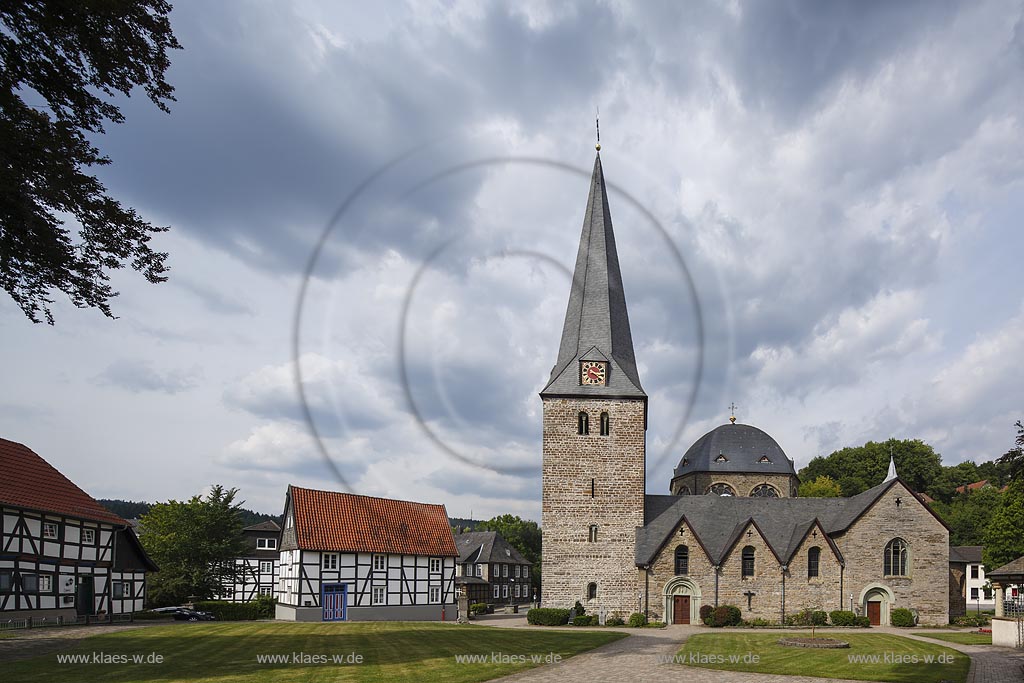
(777, 659)
(962, 637)
(227, 653)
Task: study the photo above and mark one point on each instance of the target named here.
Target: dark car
(186, 614)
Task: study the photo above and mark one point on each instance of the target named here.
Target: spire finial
(892, 466)
(732, 412)
(597, 123)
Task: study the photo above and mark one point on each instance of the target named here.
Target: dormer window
(764, 460)
(721, 458)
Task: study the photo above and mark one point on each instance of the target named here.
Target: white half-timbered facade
(346, 557)
(257, 572)
(62, 555)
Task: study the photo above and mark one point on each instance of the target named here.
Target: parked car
(186, 614)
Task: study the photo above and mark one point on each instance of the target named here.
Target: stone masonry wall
(616, 465)
(741, 483)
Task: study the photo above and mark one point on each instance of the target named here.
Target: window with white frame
(435, 564)
(497, 591)
(118, 590)
(379, 595)
(379, 563)
(45, 583)
(266, 567)
(517, 571)
(495, 570)
(88, 536)
(266, 590)
(435, 594)
(479, 570)
(504, 590)
(266, 544)
(330, 560)
(526, 571)
(49, 530)
(516, 590)
(504, 570)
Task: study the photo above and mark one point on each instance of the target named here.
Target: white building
(346, 557)
(256, 573)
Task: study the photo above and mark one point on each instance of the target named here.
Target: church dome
(735, 448)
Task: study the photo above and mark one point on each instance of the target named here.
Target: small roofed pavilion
(1009, 574)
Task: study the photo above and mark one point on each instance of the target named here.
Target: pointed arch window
(682, 560)
(748, 561)
(583, 423)
(591, 591)
(813, 560)
(606, 424)
(895, 558)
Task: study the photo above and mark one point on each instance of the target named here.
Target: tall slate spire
(596, 322)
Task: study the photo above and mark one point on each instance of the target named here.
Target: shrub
(547, 616)
(971, 620)
(726, 615)
(901, 617)
(582, 620)
(260, 608)
(757, 623)
(842, 617)
(705, 613)
(862, 622)
(580, 609)
(479, 608)
(614, 621)
(636, 620)
(807, 617)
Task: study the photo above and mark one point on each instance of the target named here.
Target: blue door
(334, 598)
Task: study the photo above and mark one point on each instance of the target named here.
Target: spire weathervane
(732, 412)
(597, 122)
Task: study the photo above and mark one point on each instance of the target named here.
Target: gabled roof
(27, 481)
(487, 546)
(1012, 572)
(596, 322)
(268, 525)
(971, 554)
(346, 522)
(783, 522)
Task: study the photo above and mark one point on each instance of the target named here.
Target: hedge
(807, 617)
(547, 616)
(614, 621)
(705, 613)
(901, 617)
(726, 615)
(842, 617)
(260, 608)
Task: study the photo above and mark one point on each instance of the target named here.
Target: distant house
(491, 570)
(346, 557)
(972, 584)
(983, 484)
(62, 554)
(256, 571)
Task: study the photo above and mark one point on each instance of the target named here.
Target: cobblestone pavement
(641, 657)
(33, 642)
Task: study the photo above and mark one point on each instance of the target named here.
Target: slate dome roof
(735, 448)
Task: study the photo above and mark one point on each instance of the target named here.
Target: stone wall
(957, 592)
(701, 575)
(742, 484)
(614, 466)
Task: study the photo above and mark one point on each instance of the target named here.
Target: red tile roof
(28, 481)
(346, 522)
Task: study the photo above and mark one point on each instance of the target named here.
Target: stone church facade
(733, 530)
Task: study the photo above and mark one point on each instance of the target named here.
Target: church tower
(595, 418)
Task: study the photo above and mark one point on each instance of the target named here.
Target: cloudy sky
(816, 206)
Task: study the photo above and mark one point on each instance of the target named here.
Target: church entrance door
(681, 609)
(875, 612)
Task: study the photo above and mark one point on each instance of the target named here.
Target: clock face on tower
(593, 372)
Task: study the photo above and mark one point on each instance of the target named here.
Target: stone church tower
(595, 418)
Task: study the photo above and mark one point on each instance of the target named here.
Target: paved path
(33, 642)
(641, 657)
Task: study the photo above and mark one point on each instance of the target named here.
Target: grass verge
(961, 637)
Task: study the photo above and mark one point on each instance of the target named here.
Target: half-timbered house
(256, 573)
(491, 570)
(63, 556)
(361, 558)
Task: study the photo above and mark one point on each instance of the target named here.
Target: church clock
(593, 372)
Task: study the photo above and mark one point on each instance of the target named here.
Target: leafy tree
(1013, 461)
(522, 534)
(61, 63)
(1004, 535)
(194, 543)
(944, 486)
(822, 487)
(857, 469)
(968, 515)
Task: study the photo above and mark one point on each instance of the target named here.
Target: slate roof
(268, 525)
(717, 521)
(742, 446)
(346, 522)
(27, 481)
(970, 554)
(487, 546)
(596, 322)
(1011, 571)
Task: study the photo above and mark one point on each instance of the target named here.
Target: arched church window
(606, 424)
(895, 558)
(721, 489)
(748, 561)
(592, 535)
(582, 423)
(682, 560)
(764, 491)
(591, 591)
(683, 491)
(813, 559)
